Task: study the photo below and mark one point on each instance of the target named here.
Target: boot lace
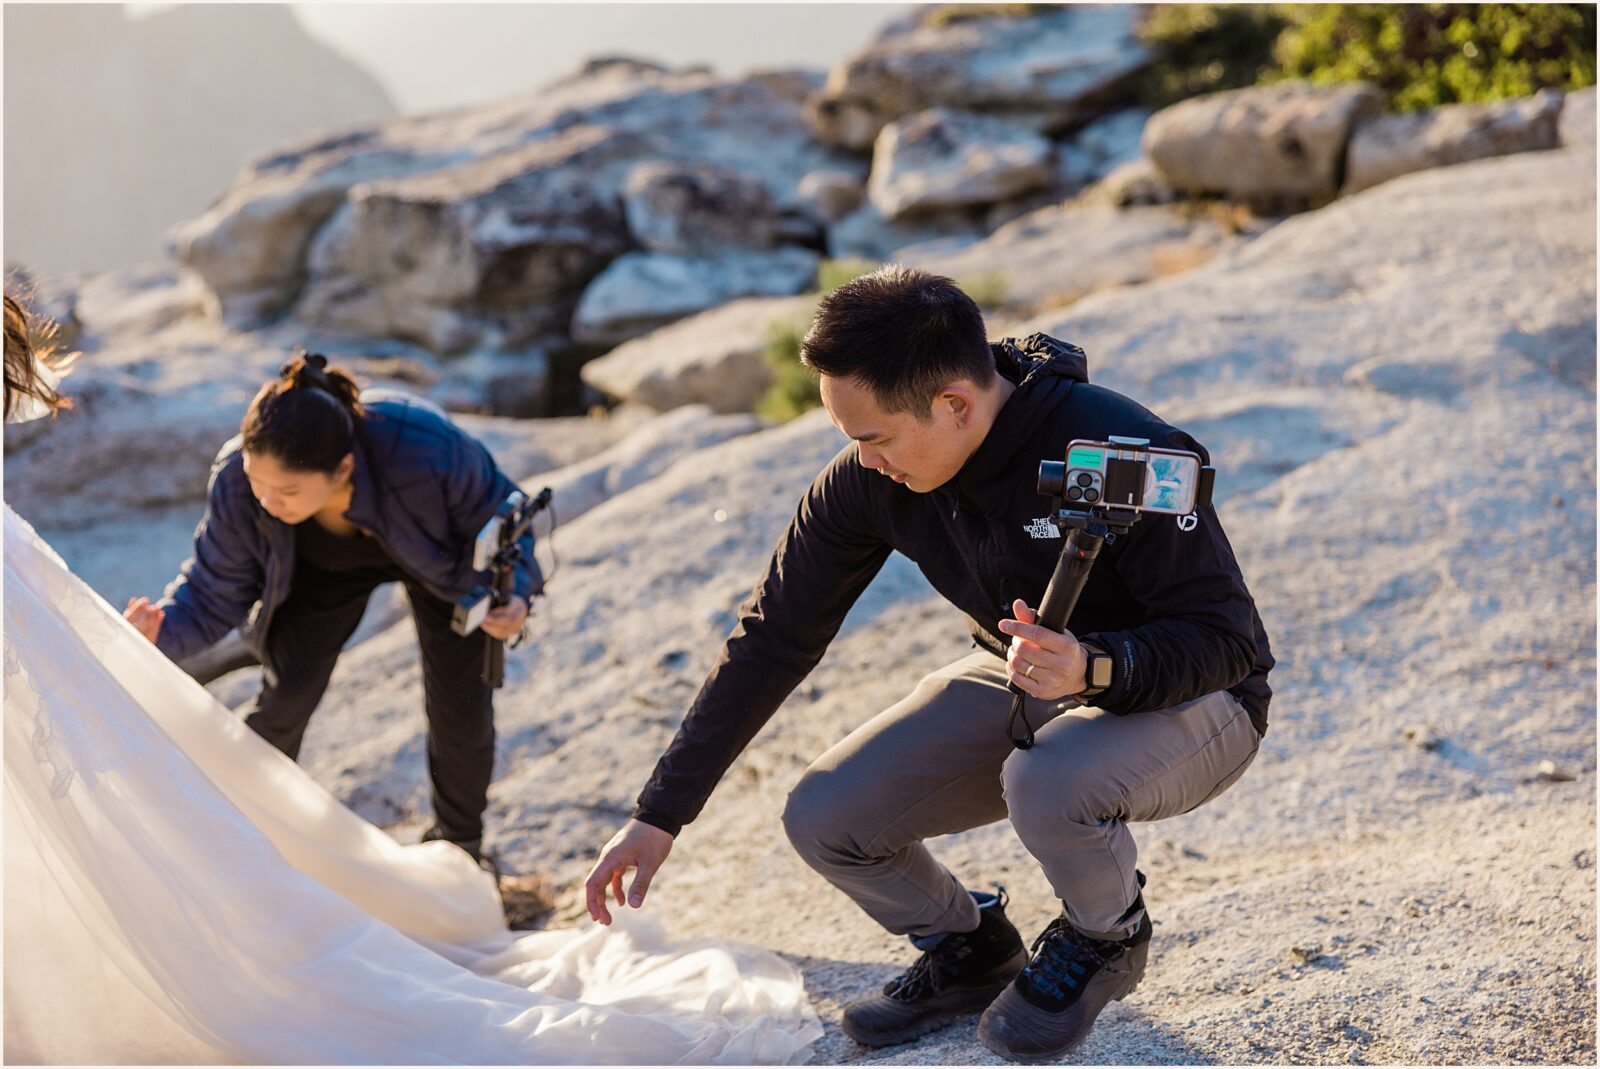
(1064, 959)
(929, 973)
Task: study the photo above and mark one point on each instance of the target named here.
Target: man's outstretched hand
(637, 846)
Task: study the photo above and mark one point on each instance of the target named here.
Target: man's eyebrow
(870, 436)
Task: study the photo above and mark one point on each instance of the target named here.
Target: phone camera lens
(1073, 493)
(1091, 496)
(1085, 479)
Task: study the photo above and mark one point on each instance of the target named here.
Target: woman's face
(294, 496)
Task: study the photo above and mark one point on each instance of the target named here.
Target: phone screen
(1171, 483)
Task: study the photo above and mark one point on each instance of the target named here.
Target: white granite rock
(941, 159)
(1046, 63)
(696, 210)
(1281, 141)
(1578, 119)
(831, 195)
(1388, 146)
(644, 290)
(714, 358)
(479, 227)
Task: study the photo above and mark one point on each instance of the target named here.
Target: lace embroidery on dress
(46, 749)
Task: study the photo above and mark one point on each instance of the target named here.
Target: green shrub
(1206, 48)
(794, 388)
(1425, 55)
(1422, 55)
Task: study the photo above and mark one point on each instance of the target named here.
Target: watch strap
(1097, 672)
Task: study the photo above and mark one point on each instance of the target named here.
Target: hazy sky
(433, 56)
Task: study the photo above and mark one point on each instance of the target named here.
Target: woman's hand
(504, 622)
(144, 616)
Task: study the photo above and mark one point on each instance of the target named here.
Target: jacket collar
(1044, 371)
(363, 510)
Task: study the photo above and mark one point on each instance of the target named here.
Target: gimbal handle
(1086, 533)
(504, 566)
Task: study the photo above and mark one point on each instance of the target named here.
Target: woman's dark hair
(904, 334)
(28, 346)
(306, 419)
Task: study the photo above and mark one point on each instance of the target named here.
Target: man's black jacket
(1168, 603)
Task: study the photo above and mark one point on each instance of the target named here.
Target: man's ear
(346, 467)
(957, 400)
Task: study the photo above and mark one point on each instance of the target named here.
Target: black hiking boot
(1053, 1003)
(959, 973)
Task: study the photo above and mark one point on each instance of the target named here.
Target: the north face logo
(1042, 528)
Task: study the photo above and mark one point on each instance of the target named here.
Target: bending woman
(316, 502)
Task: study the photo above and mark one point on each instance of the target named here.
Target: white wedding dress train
(176, 890)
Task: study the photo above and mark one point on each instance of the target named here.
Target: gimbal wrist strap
(1019, 702)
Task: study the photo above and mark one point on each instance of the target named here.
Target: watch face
(1099, 671)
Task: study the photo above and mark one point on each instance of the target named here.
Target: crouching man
(1154, 698)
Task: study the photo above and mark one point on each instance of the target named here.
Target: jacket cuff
(656, 820)
(175, 640)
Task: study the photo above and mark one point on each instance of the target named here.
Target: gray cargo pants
(939, 762)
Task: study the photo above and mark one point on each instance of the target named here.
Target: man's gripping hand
(1047, 664)
(638, 846)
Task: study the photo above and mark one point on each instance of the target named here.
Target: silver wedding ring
(1028, 671)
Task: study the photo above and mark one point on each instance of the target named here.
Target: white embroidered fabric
(176, 890)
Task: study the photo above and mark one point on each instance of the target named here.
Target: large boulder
(489, 254)
(829, 196)
(940, 159)
(698, 209)
(715, 358)
(1051, 63)
(1578, 118)
(451, 229)
(1388, 146)
(644, 290)
(1283, 142)
(250, 246)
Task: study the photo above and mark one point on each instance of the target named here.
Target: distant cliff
(117, 128)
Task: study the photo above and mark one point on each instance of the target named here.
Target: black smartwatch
(1096, 673)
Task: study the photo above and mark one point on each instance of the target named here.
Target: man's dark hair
(904, 334)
